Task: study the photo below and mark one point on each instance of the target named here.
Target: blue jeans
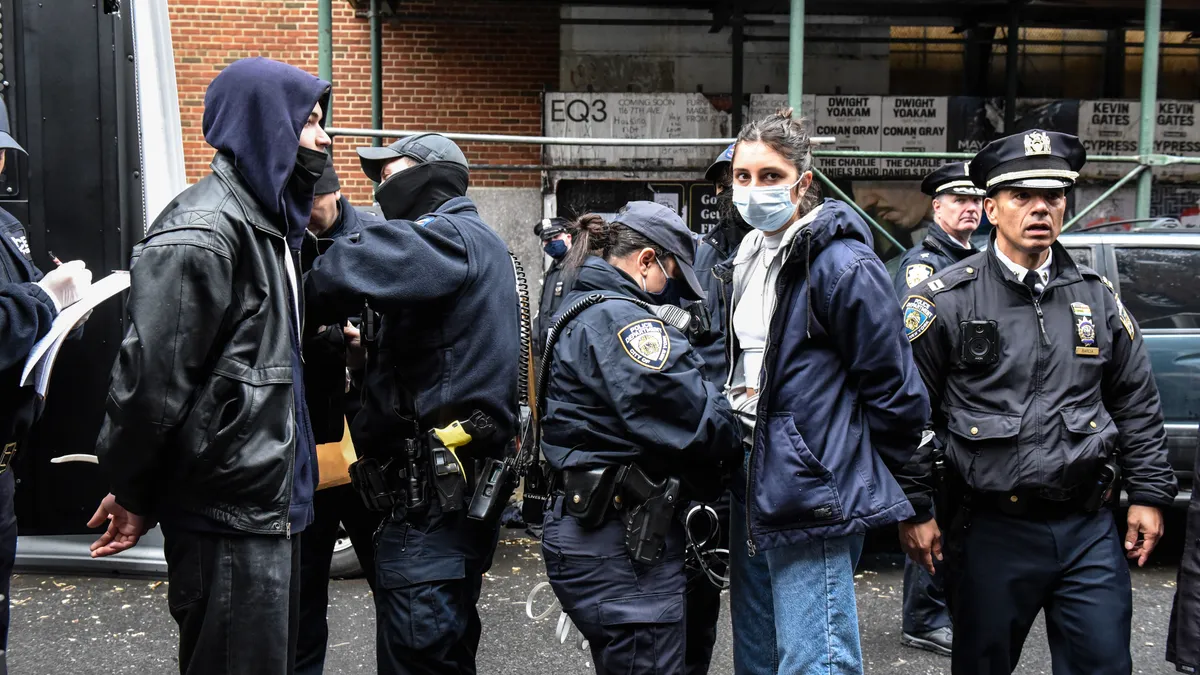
(793, 608)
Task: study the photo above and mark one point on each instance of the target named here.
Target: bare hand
(125, 528)
(356, 354)
(922, 543)
(1148, 522)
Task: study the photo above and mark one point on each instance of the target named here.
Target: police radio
(979, 342)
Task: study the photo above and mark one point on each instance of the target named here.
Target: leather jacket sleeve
(179, 295)
(1131, 398)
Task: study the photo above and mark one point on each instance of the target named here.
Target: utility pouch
(648, 523)
(537, 492)
(1108, 480)
(369, 479)
(414, 476)
(589, 493)
(448, 478)
(497, 482)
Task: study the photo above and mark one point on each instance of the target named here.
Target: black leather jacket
(200, 413)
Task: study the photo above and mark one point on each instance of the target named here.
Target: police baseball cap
(421, 148)
(328, 182)
(950, 179)
(720, 165)
(661, 225)
(1031, 159)
(549, 228)
(6, 139)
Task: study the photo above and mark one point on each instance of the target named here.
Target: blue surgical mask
(670, 294)
(765, 208)
(556, 249)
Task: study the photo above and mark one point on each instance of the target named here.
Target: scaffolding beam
(1149, 103)
(376, 70)
(325, 48)
(796, 57)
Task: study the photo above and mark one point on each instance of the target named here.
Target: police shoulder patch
(425, 220)
(919, 314)
(647, 343)
(1122, 313)
(915, 274)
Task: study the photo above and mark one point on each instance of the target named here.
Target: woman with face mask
(631, 429)
(832, 406)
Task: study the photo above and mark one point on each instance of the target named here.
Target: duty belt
(647, 507)
(6, 456)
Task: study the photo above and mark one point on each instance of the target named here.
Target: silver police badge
(647, 343)
(915, 274)
(1037, 143)
(918, 316)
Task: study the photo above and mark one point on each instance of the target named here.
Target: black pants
(331, 506)
(631, 614)
(8, 550)
(429, 574)
(1010, 569)
(924, 599)
(236, 599)
(703, 599)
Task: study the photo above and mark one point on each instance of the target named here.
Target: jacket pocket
(793, 487)
(1089, 438)
(982, 445)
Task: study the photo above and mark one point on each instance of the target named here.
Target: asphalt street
(106, 625)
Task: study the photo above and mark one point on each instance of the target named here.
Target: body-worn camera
(980, 343)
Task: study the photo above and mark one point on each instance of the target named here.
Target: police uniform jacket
(1072, 384)
(449, 337)
(625, 387)
(26, 312)
(556, 284)
(714, 267)
(937, 251)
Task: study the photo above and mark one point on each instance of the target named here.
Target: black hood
(254, 112)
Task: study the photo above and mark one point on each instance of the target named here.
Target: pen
(54, 258)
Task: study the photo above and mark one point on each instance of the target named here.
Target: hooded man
(206, 429)
(447, 350)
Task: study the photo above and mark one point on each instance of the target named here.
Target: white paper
(40, 362)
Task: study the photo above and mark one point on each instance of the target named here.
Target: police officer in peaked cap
(555, 236)
(1045, 408)
(29, 302)
(447, 348)
(957, 206)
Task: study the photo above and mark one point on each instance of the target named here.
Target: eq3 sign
(630, 115)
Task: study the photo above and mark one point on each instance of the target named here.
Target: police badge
(1037, 143)
(1085, 331)
(915, 274)
(647, 343)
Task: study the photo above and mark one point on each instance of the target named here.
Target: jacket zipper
(1037, 306)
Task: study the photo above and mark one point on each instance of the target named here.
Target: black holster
(369, 478)
(647, 508)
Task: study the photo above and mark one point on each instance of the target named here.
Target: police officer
(556, 242)
(957, 205)
(714, 268)
(29, 302)
(1037, 375)
(448, 346)
(631, 428)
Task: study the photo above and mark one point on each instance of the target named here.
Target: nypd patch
(22, 244)
(646, 342)
(915, 274)
(918, 316)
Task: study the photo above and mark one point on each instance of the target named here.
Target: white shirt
(1043, 271)
(752, 314)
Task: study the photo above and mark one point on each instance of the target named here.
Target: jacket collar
(937, 239)
(597, 274)
(725, 238)
(1063, 270)
(457, 205)
(753, 243)
(223, 167)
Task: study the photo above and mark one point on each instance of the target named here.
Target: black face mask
(310, 164)
(419, 190)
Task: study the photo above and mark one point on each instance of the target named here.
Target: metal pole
(1108, 193)
(1149, 103)
(738, 23)
(796, 57)
(1012, 65)
(376, 70)
(325, 48)
(837, 192)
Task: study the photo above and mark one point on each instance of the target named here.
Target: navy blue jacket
(449, 339)
(624, 387)
(842, 405)
(714, 267)
(26, 312)
(936, 252)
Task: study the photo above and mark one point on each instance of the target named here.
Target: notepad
(40, 362)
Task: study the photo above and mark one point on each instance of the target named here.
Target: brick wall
(469, 66)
